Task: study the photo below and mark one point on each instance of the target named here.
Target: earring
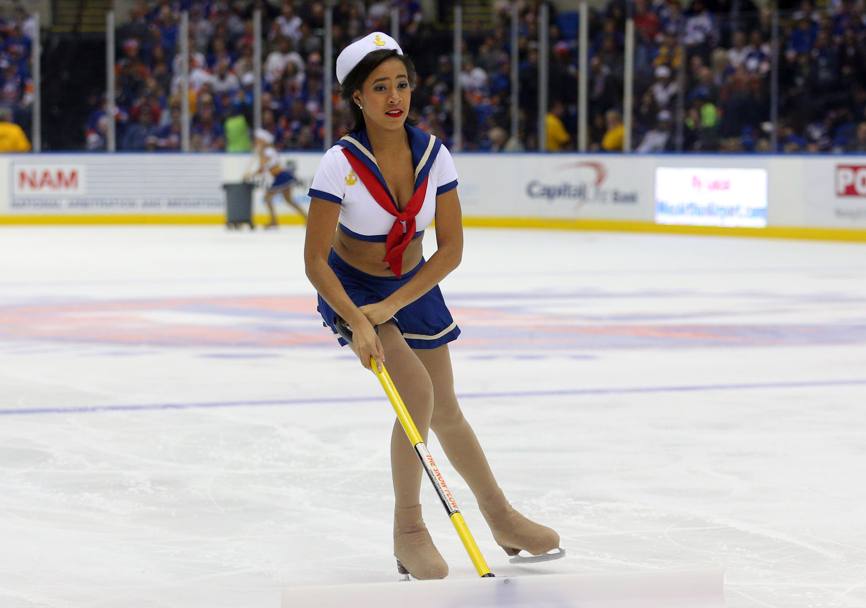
(360, 107)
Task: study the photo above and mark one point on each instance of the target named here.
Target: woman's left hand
(378, 313)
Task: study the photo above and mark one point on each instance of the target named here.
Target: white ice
(178, 429)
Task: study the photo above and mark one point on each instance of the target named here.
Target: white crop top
(360, 215)
(271, 159)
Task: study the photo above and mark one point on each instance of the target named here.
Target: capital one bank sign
(48, 179)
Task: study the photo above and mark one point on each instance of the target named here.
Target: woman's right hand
(367, 344)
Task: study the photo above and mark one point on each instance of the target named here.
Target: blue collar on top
(358, 144)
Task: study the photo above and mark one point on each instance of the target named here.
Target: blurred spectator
(669, 53)
(225, 80)
(858, 144)
(758, 54)
(473, 78)
(141, 135)
(740, 104)
(96, 137)
(701, 33)
(604, 91)
(557, 137)
(646, 22)
(237, 130)
(498, 138)
(279, 58)
(658, 139)
(16, 83)
(201, 29)
(615, 133)
(705, 125)
(12, 136)
(288, 24)
(789, 140)
(804, 34)
(665, 88)
(704, 85)
(170, 134)
(739, 52)
(243, 66)
(206, 134)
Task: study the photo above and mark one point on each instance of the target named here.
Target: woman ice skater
(372, 197)
(268, 162)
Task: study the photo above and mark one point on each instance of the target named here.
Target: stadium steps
(83, 16)
(65, 15)
(477, 15)
(93, 15)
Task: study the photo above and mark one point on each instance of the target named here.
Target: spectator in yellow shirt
(557, 136)
(615, 134)
(12, 137)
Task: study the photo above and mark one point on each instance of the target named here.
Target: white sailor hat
(355, 52)
(264, 136)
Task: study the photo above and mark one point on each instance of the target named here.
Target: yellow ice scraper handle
(445, 495)
(405, 418)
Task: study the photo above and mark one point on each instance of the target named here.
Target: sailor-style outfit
(284, 177)
(349, 176)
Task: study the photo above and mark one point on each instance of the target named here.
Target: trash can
(239, 204)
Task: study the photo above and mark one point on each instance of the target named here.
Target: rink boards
(779, 196)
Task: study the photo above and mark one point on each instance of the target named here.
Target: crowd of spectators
(702, 74)
(149, 98)
(702, 77)
(724, 67)
(17, 32)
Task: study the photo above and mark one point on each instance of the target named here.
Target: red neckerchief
(403, 230)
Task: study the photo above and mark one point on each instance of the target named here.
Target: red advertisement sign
(851, 180)
(49, 179)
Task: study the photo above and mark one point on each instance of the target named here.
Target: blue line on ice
(336, 400)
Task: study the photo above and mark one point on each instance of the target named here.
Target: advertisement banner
(836, 192)
(565, 186)
(115, 184)
(48, 179)
(701, 190)
(698, 196)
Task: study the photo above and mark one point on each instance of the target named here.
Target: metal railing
(515, 88)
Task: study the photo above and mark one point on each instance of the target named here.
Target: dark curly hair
(355, 80)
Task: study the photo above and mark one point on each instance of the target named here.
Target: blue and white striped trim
(425, 147)
(446, 187)
(433, 337)
(420, 341)
(427, 159)
(325, 196)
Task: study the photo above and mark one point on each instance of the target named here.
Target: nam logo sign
(45, 179)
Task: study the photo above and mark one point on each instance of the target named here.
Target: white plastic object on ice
(691, 589)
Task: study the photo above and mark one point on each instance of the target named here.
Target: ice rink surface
(177, 429)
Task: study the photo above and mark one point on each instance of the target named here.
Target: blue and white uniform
(426, 322)
(283, 177)
(361, 217)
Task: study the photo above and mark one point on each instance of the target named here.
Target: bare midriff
(369, 257)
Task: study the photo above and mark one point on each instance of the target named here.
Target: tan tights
(425, 381)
